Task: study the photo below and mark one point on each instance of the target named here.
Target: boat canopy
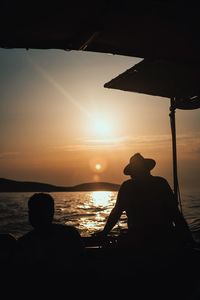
(148, 29)
(180, 81)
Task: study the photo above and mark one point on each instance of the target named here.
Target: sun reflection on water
(101, 198)
(87, 211)
(100, 203)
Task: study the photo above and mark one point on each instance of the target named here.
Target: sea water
(87, 211)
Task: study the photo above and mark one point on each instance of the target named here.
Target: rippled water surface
(87, 211)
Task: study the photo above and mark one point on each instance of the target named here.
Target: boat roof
(162, 78)
(146, 29)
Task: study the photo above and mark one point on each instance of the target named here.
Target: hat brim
(149, 165)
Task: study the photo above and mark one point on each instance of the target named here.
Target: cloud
(189, 144)
(186, 144)
(118, 143)
(9, 155)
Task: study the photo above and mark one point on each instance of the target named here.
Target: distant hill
(8, 185)
(97, 186)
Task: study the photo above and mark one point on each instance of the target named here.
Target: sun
(98, 167)
(102, 126)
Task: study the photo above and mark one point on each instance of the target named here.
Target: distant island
(8, 185)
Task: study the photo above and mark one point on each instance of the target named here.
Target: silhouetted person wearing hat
(154, 219)
(48, 246)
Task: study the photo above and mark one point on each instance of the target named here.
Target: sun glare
(102, 126)
(98, 167)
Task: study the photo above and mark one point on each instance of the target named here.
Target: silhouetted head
(41, 210)
(139, 166)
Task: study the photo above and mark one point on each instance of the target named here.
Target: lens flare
(98, 167)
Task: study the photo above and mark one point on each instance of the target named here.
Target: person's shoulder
(26, 238)
(163, 184)
(67, 235)
(126, 183)
(124, 187)
(7, 238)
(160, 179)
(66, 229)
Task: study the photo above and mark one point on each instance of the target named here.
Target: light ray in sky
(100, 125)
(59, 87)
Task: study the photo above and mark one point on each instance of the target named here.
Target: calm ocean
(87, 211)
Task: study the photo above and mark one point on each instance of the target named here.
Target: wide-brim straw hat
(138, 162)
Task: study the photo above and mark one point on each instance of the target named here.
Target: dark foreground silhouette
(156, 250)
(53, 258)
(108, 270)
(7, 248)
(48, 246)
(155, 222)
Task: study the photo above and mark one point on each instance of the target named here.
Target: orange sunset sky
(59, 125)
